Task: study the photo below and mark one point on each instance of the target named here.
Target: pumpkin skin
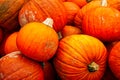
(70, 30)
(102, 23)
(39, 10)
(37, 41)
(76, 53)
(15, 66)
(1, 35)
(9, 10)
(71, 11)
(10, 44)
(80, 3)
(85, 9)
(114, 59)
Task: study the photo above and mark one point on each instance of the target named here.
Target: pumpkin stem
(59, 34)
(88, 1)
(92, 67)
(49, 22)
(104, 3)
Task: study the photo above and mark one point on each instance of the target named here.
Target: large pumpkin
(39, 10)
(9, 10)
(114, 59)
(80, 57)
(37, 41)
(102, 22)
(15, 66)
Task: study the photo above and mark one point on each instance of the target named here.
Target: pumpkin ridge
(18, 70)
(15, 12)
(74, 50)
(75, 59)
(72, 67)
(42, 9)
(72, 56)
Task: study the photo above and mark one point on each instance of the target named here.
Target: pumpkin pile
(60, 40)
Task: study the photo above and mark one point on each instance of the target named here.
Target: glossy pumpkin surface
(15, 66)
(37, 41)
(80, 57)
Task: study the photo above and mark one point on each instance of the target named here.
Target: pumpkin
(80, 57)
(80, 3)
(103, 23)
(70, 30)
(10, 43)
(37, 40)
(71, 11)
(39, 10)
(9, 10)
(15, 66)
(49, 71)
(114, 4)
(85, 9)
(114, 59)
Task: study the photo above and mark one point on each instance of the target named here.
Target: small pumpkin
(70, 30)
(38, 40)
(9, 10)
(39, 10)
(103, 23)
(80, 3)
(71, 11)
(114, 59)
(85, 9)
(10, 43)
(80, 57)
(15, 66)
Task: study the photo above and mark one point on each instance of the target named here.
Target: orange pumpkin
(10, 44)
(80, 57)
(39, 10)
(71, 11)
(114, 4)
(85, 9)
(80, 3)
(114, 59)
(9, 10)
(1, 35)
(37, 41)
(15, 66)
(70, 30)
(103, 23)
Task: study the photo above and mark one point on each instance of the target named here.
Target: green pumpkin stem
(92, 67)
(49, 22)
(104, 3)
